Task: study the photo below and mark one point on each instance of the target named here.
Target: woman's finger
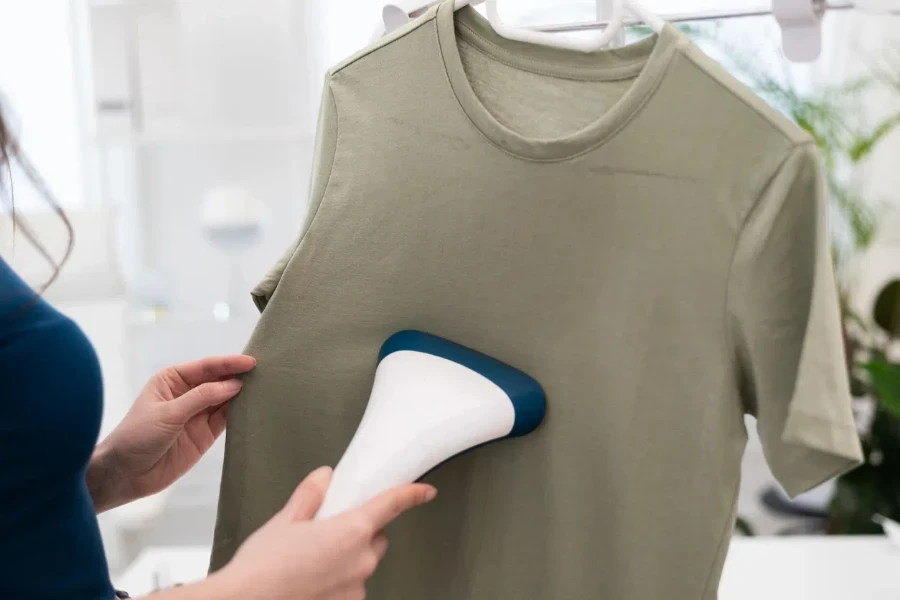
(213, 368)
(380, 545)
(386, 507)
(309, 495)
(217, 420)
(203, 397)
(354, 591)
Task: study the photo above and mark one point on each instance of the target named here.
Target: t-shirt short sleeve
(787, 332)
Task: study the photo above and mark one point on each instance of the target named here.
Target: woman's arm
(213, 587)
(106, 487)
(171, 425)
(293, 557)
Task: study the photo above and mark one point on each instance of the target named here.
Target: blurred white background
(177, 134)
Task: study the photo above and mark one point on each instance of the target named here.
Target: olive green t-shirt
(633, 228)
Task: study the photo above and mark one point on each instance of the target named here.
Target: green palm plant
(874, 488)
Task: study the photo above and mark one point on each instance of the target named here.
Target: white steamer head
(432, 399)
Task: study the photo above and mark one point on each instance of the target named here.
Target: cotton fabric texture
(632, 227)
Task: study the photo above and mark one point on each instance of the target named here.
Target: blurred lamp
(232, 220)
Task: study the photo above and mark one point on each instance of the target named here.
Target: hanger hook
(606, 37)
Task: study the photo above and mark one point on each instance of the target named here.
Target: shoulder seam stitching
(337, 142)
(379, 46)
(729, 339)
(744, 101)
(312, 218)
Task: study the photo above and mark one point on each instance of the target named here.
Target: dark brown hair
(11, 154)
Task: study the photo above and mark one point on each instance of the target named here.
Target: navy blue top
(51, 403)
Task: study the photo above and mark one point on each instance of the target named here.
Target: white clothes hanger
(608, 35)
(800, 20)
(399, 12)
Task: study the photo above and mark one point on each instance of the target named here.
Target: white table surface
(769, 568)
(811, 568)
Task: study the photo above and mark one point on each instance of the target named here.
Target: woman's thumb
(308, 497)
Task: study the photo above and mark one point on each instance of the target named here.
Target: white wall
(39, 91)
(217, 93)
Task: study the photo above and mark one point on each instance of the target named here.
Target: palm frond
(863, 145)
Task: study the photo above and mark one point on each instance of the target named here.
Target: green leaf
(853, 210)
(854, 86)
(863, 146)
(887, 309)
(743, 526)
(885, 379)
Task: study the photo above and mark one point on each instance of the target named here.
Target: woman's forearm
(106, 486)
(214, 587)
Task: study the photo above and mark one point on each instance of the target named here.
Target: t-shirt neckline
(645, 61)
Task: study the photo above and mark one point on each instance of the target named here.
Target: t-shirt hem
(828, 449)
(837, 466)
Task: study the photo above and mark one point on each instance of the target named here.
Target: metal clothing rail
(799, 20)
(681, 17)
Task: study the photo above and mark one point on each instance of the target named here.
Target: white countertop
(770, 568)
(811, 568)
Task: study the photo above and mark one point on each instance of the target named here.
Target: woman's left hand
(171, 425)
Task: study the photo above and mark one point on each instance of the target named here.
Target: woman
(53, 480)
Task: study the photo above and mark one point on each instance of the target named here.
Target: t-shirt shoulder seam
(387, 40)
(327, 186)
(788, 130)
(334, 153)
(319, 200)
(789, 151)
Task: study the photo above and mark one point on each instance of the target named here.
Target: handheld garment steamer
(432, 399)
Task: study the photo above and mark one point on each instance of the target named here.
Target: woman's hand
(293, 557)
(171, 425)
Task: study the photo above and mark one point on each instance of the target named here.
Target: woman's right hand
(295, 558)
